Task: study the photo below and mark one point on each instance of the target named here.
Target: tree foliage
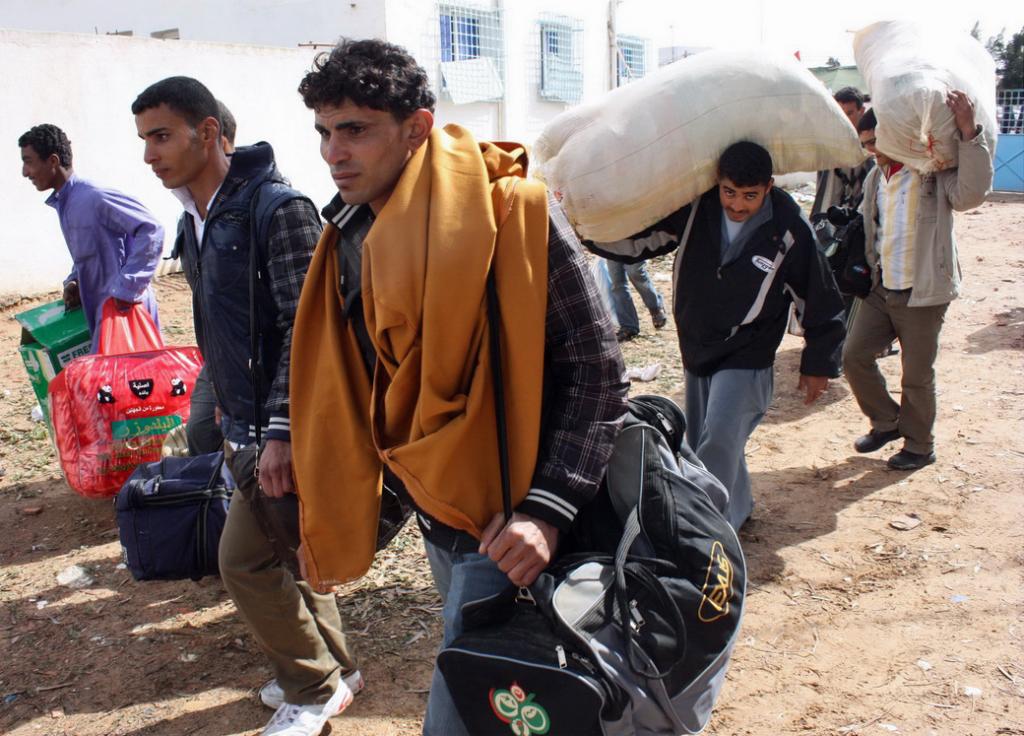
(1012, 71)
(1008, 55)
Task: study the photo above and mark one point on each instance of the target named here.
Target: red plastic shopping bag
(111, 413)
(130, 331)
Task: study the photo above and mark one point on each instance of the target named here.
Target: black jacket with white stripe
(734, 315)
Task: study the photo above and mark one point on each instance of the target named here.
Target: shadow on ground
(66, 522)
(83, 651)
(1005, 333)
(788, 402)
(795, 505)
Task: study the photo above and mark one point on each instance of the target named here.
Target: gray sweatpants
(722, 411)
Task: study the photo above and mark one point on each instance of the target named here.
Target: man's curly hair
(368, 73)
(47, 140)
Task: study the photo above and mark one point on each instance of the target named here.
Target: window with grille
(472, 53)
(561, 59)
(632, 61)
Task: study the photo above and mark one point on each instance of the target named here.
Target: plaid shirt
(584, 371)
(294, 231)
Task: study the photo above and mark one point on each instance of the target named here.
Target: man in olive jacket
(911, 249)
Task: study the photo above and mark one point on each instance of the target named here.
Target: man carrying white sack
(910, 247)
(745, 254)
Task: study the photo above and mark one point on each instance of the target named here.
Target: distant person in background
(622, 302)
(844, 187)
(599, 270)
(911, 249)
(203, 427)
(228, 126)
(115, 242)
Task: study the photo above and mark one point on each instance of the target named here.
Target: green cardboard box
(50, 339)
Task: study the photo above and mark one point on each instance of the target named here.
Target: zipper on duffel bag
(182, 498)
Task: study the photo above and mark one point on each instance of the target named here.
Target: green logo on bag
(127, 429)
(517, 709)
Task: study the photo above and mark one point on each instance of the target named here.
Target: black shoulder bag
(632, 636)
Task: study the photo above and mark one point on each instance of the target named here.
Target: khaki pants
(298, 629)
(880, 318)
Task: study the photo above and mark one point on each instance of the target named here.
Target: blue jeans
(599, 269)
(722, 411)
(460, 577)
(622, 303)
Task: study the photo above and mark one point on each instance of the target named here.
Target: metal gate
(1009, 155)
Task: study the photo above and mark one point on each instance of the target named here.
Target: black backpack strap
(494, 340)
(494, 321)
(261, 212)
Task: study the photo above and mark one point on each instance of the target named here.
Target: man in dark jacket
(745, 253)
(843, 187)
(230, 208)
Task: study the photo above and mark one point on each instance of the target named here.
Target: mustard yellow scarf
(429, 413)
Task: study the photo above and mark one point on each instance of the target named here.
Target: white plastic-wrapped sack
(642, 151)
(909, 67)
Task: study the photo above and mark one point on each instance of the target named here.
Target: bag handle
(131, 331)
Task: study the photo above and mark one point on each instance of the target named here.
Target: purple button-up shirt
(115, 244)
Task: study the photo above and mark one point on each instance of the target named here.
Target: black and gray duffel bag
(630, 632)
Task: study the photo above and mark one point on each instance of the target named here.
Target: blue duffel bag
(170, 515)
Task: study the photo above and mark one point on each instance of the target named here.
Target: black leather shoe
(624, 335)
(659, 318)
(875, 440)
(907, 460)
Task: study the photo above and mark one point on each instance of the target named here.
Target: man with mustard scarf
(390, 376)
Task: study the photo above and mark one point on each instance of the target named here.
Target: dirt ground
(852, 626)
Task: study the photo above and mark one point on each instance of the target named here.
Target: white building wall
(260, 22)
(86, 85)
(522, 113)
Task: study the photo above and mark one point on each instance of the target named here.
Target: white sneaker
(307, 720)
(272, 696)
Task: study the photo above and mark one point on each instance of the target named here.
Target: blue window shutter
(446, 38)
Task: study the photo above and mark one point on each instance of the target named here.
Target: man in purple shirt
(115, 242)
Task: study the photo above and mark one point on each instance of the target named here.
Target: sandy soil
(852, 626)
